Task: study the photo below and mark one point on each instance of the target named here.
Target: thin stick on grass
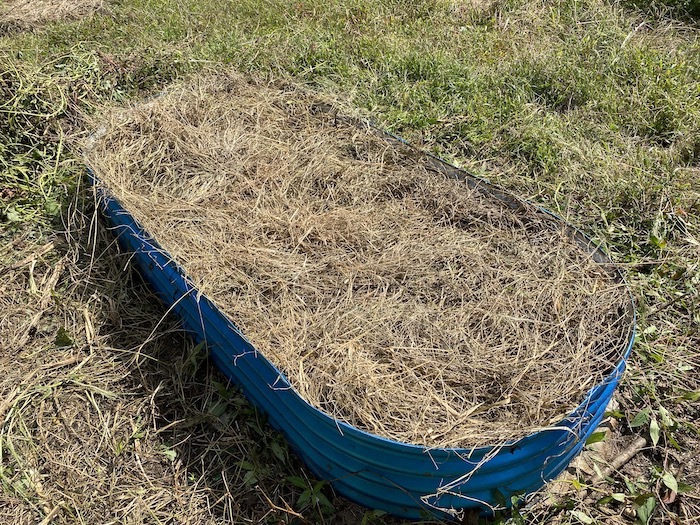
(621, 459)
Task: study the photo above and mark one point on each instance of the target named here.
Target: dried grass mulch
(26, 14)
(394, 299)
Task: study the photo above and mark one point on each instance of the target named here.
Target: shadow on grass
(110, 413)
(219, 449)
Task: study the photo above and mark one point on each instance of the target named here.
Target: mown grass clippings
(69, 419)
(38, 103)
(374, 285)
(18, 15)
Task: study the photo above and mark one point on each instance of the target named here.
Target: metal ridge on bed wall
(405, 480)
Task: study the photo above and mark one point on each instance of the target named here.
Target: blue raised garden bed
(402, 479)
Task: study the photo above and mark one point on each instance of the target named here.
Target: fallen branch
(621, 459)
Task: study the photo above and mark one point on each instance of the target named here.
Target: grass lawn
(109, 414)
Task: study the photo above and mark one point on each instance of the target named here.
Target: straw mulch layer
(392, 298)
(25, 14)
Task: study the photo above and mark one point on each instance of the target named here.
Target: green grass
(591, 108)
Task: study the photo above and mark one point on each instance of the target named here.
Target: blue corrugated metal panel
(399, 478)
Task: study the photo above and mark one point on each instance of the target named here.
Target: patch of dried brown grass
(76, 432)
(396, 300)
(24, 14)
(105, 416)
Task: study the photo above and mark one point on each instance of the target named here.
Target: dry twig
(621, 459)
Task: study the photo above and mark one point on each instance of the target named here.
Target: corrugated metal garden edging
(403, 479)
